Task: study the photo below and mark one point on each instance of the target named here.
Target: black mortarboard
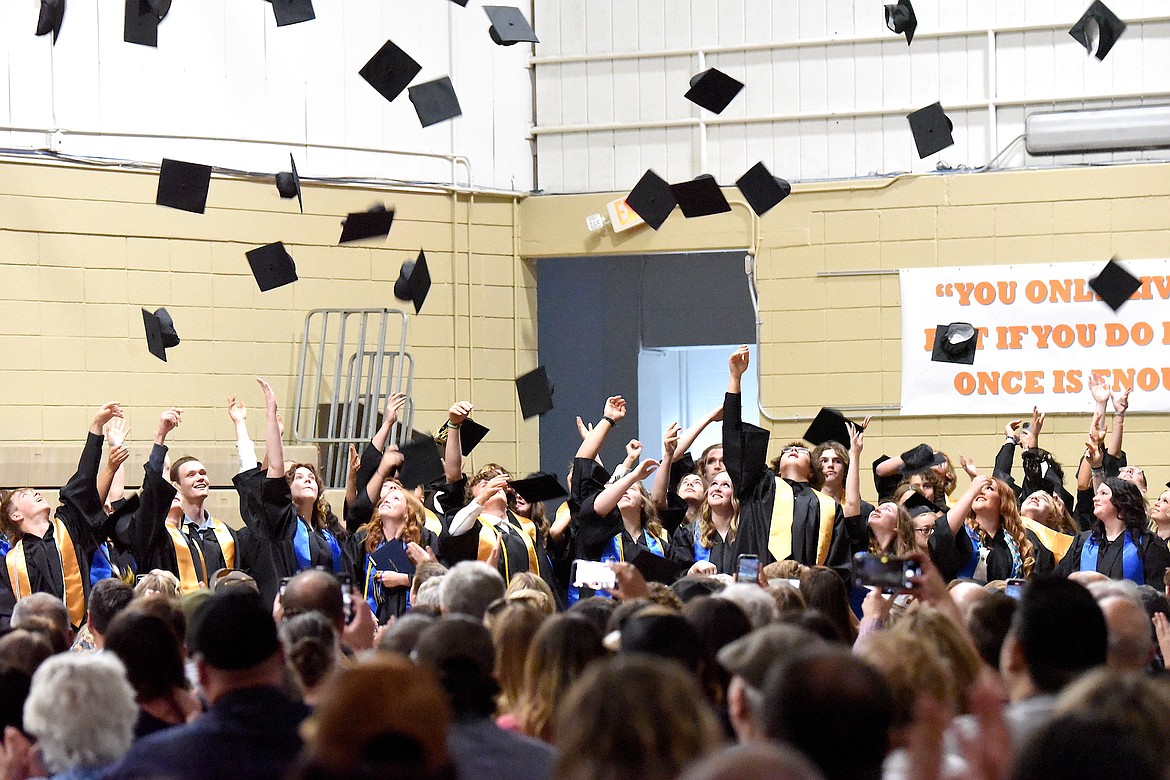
(955, 343)
(900, 18)
(680, 468)
(414, 281)
(51, 16)
(160, 332)
(921, 458)
(421, 463)
(272, 266)
(652, 199)
(932, 130)
(1115, 284)
(917, 504)
(460, 2)
(183, 185)
(761, 189)
(700, 197)
(435, 101)
(374, 223)
(288, 183)
(538, 487)
(509, 25)
(829, 425)
(390, 70)
(655, 568)
(1102, 21)
(535, 392)
(471, 433)
(292, 11)
(141, 25)
(713, 90)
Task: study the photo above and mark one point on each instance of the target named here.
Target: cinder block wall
(837, 341)
(82, 250)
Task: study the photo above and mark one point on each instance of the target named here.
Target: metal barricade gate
(347, 370)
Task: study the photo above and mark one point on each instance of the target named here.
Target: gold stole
(227, 544)
(780, 530)
(487, 542)
(1055, 541)
(72, 582)
(432, 522)
(189, 581)
(562, 511)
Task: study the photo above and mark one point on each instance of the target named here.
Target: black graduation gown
(148, 538)
(744, 455)
(1005, 460)
(83, 515)
(391, 602)
(999, 559)
(1151, 549)
(465, 546)
(682, 550)
(857, 527)
(277, 526)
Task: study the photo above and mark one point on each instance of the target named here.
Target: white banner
(1042, 333)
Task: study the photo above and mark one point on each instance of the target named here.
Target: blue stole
(615, 552)
(334, 550)
(301, 546)
(1131, 559)
(5, 545)
(100, 567)
(968, 569)
(701, 553)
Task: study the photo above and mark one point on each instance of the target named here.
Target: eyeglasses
(797, 450)
(927, 532)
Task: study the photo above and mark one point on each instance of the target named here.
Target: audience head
(1085, 747)
(1131, 647)
(314, 590)
(949, 642)
(912, 668)
(469, 587)
(400, 728)
(14, 685)
(1135, 701)
(107, 598)
(988, 623)
(151, 652)
(1058, 632)
(512, 625)
(816, 698)
(787, 597)
(657, 632)
(234, 640)
(596, 610)
(24, 650)
(459, 651)
(47, 607)
(562, 648)
(755, 760)
(310, 649)
(402, 635)
(81, 711)
(825, 592)
(718, 622)
(966, 594)
(633, 716)
(158, 581)
(755, 602)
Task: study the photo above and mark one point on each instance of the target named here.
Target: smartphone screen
(747, 569)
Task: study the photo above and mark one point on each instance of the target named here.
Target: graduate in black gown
(1120, 545)
(708, 546)
(781, 516)
(1001, 547)
(51, 551)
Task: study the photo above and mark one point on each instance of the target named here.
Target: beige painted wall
(836, 341)
(82, 250)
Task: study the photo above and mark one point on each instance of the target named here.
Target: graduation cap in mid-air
(183, 185)
(700, 197)
(713, 90)
(761, 189)
(390, 70)
(160, 332)
(421, 464)
(535, 392)
(1098, 25)
(435, 101)
(414, 281)
(51, 16)
(373, 223)
(141, 21)
(288, 183)
(829, 425)
(932, 130)
(1114, 284)
(540, 486)
(652, 199)
(292, 11)
(900, 18)
(272, 266)
(509, 26)
(955, 343)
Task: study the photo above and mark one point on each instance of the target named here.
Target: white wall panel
(838, 81)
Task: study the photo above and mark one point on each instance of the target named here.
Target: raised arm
(245, 447)
(633, 453)
(453, 454)
(957, 515)
(394, 404)
(1095, 456)
(687, 438)
(852, 505)
(111, 482)
(608, 500)
(391, 461)
(80, 493)
(1120, 407)
(615, 412)
(274, 444)
(670, 441)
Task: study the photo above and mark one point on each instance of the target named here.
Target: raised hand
(739, 361)
(968, 466)
(1012, 429)
(117, 430)
(1099, 390)
(167, 422)
(633, 449)
(418, 555)
(106, 413)
(355, 461)
(236, 410)
(856, 438)
(394, 404)
(1121, 400)
(615, 408)
(645, 469)
(118, 455)
(670, 442)
(459, 411)
(391, 459)
(630, 582)
(269, 396)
